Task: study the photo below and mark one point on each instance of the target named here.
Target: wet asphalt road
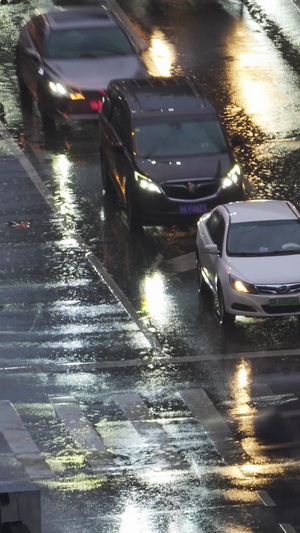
(121, 397)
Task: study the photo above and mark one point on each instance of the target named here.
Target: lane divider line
(149, 361)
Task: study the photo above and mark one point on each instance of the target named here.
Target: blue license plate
(193, 209)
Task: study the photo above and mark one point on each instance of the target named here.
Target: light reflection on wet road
(167, 465)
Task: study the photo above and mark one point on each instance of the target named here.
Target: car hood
(189, 168)
(266, 270)
(94, 74)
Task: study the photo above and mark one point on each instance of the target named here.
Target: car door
(119, 146)
(215, 228)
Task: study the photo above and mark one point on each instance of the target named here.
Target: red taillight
(96, 105)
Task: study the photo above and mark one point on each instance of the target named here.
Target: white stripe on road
(265, 498)
(287, 528)
(70, 412)
(150, 429)
(21, 443)
(213, 423)
(150, 361)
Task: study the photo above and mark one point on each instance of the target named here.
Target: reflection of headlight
(232, 178)
(145, 183)
(60, 90)
(242, 286)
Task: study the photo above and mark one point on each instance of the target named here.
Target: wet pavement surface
(121, 397)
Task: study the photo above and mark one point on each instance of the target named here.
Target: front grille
(191, 190)
(288, 289)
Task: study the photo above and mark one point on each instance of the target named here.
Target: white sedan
(248, 253)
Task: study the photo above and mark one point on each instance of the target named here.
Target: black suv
(164, 151)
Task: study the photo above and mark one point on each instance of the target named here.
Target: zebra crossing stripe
(70, 412)
(287, 528)
(151, 430)
(213, 423)
(21, 443)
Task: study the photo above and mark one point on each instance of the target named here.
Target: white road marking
(213, 423)
(150, 429)
(287, 528)
(21, 443)
(150, 361)
(265, 498)
(70, 412)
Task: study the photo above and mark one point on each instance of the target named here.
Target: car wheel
(26, 98)
(106, 183)
(202, 286)
(47, 121)
(135, 223)
(225, 318)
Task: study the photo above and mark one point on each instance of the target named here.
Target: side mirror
(33, 54)
(143, 45)
(117, 147)
(237, 140)
(211, 249)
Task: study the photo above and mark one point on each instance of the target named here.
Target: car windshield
(87, 43)
(275, 237)
(179, 137)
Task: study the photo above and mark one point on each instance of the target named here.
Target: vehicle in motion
(164, 151)
(65, 58)
(248, 254)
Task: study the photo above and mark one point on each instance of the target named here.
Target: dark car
(164, 151)
(65, 59)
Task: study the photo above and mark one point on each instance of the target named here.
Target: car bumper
(261, 305)
(86, 109)
(154, 208)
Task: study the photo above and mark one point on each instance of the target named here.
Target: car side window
(120, 121)
(216, 228)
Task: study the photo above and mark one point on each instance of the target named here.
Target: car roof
(80, 17)
(155, 95)
(260, 210)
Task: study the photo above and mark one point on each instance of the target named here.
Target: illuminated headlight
(57, 88)
(233, 177)
(145, 183)
(242, 286)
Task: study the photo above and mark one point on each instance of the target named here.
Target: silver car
(66, 58)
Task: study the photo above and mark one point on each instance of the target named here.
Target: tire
(202, 286)
(106, 183)
(47, 121)
(225, 318)
(25, 95)
(134, 222)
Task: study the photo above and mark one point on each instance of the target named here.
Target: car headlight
(242, 286)
(145, 183)
(58, 89)
(233, 177)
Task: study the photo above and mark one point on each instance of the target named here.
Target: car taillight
(96, 105)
